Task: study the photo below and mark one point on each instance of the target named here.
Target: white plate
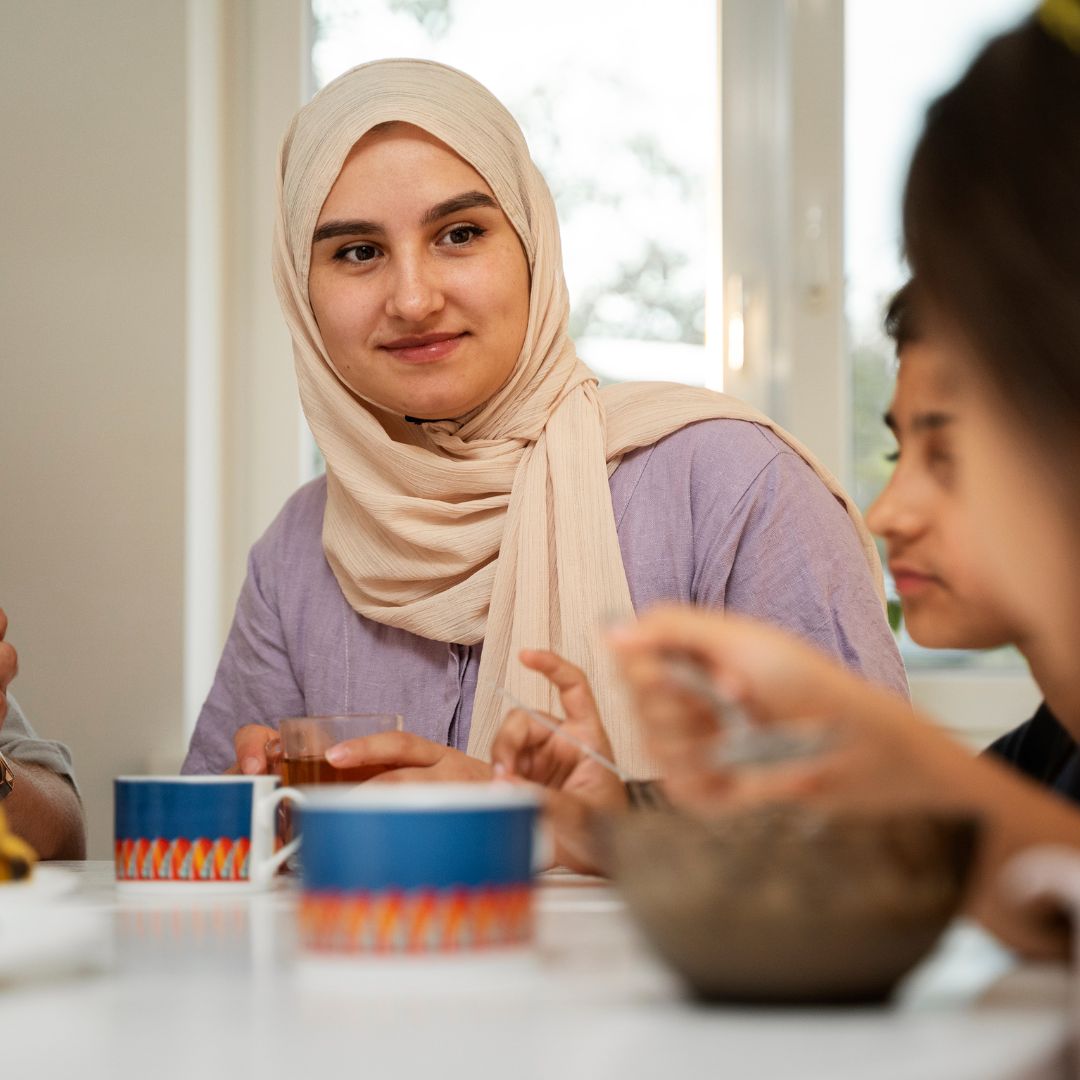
(179, 893)
(41, 937)
(44, 884)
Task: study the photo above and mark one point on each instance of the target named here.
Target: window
(821, 103)
(897, 58)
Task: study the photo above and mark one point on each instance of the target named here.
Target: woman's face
(948, 599)
(418, 281)
(1019, 511)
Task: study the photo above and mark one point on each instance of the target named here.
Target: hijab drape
(497, 527)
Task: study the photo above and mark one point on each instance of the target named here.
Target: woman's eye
(942, 464)
(358, 253)
(894, 457)
(460, 235)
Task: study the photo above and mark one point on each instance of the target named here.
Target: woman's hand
(575, 784)
(9, 666)
(531, 750)
(877, 752)
(883, 756)
(252, 744)
(407, 758)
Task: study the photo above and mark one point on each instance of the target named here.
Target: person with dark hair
(948, 599)
(901, 320)
(992, 228)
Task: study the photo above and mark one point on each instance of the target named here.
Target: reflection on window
(618, 107)
(898, 58)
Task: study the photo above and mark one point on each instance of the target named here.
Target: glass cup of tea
(298, 754)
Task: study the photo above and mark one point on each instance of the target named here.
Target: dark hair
(992, 221)
(901, 322)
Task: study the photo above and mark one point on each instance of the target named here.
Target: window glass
(898, 58)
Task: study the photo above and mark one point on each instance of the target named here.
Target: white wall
(92, 375)
(138, 141)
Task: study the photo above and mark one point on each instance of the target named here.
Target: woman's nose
(415, 292)
(894, 513)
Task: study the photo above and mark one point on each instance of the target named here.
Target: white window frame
(266, 80)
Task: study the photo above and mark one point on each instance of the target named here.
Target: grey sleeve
(20, 743)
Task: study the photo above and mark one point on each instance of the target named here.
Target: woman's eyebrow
(927, 421)
(931, 421)
(329, 229)
(456, 203)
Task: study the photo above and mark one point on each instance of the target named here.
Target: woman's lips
(424, 350)
(912, 582)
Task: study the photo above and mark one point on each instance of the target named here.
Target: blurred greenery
(434, 16)
(642, 300)
(873, 376)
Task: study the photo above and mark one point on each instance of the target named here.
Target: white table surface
(194, 989)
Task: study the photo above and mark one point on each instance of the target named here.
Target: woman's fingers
(772, 673)
(391, 749)
(680, 727)
(675, 629)
(574, 691)
(515, 741)
(250, 745)
(9, 664)
(528, 749)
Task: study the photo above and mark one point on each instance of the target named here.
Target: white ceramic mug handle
(267, 805)
(543, 845)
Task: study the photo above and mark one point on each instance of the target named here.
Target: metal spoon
(744, 742)
(557, 729)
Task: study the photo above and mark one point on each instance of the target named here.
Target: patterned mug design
(181, 859)
(420, 921)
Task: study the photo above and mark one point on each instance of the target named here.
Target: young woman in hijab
(481, 493)
(991, 217)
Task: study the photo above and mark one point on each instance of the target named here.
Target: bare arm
(45, 811)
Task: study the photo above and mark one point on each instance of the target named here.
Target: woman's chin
(449, 407)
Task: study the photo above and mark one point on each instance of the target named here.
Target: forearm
(45, 811)
(1017, 815)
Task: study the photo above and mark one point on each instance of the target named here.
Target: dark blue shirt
(1043, 750)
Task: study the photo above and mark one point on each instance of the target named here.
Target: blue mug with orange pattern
(198, 833)
(422, 869)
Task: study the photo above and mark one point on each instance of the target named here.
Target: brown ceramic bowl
(784, 905)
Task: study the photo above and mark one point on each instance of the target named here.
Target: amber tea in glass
(299, 752)
(317, 770)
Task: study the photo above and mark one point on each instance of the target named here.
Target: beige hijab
(497, 527)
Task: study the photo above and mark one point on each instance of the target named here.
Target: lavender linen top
(721, 513)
